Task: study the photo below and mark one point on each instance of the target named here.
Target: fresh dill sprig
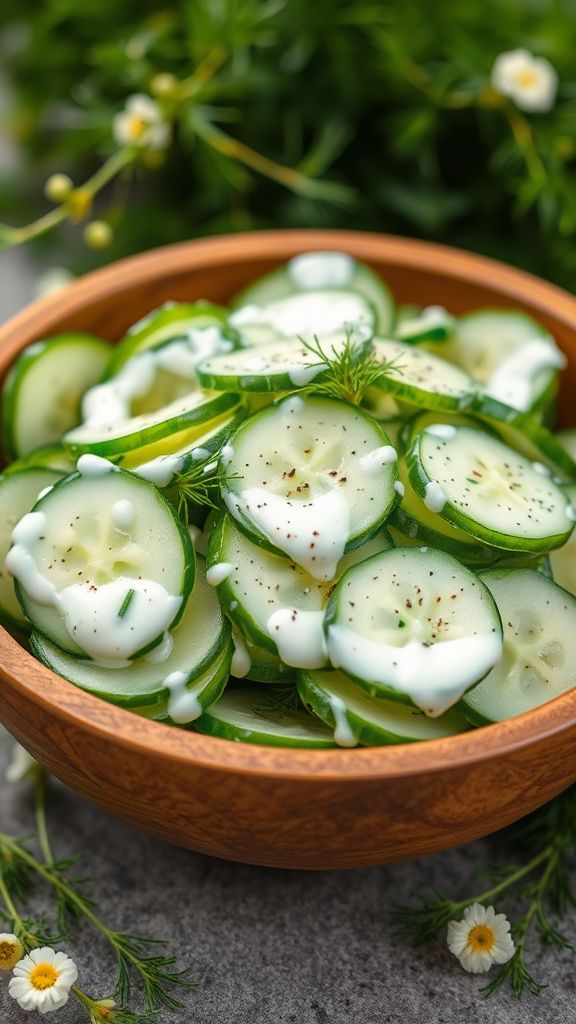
(282, 699)
(346, 373)
(135, 954)
(543, 883)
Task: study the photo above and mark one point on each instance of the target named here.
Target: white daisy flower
(531, 82)
(11, 951)
(141, 124)
(480, 939)
(21, 765)
(42, 980)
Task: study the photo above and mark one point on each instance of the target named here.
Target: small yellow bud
(153, 158)
(163, 84)
(490, 99)
(79, 203)
(11, 951)
(565, 147)
(58, 187)
(98, 234)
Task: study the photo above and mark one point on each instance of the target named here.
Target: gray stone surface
(269, 947)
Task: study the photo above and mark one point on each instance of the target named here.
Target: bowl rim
(37, 683)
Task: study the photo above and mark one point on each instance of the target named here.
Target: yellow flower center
(527, 78)
(481, 938)
(10, 954)
(43, 976)
(136, 128)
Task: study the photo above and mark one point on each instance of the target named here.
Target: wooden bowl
(261, 805)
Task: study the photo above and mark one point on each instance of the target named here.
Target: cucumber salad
(312, 519)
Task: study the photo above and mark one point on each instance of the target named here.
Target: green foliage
(376, 115)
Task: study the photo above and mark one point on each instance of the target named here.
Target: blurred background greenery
(370, 114)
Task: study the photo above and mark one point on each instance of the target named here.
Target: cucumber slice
(421, 526)
(266, 667)
(510, 354)
(273, 601)
(322, 270)
(277, 366)
(539, 647)
(42, 392)
(50, 456)
(358, 718)
(188, 700)
(312, 478)
(422, 378)
(125, 435)
(102, 563)
(312, 313)
(563, 560)
(526, 435)
(162, 469)
(413, 626)
(432, 324)
(19, 491)
(198, 321)
(479, 484)
(193, 649)
(252, 716)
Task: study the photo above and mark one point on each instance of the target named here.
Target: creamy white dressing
(44, 492)
(300, 376)
(343, 732)
(303, 313)
(434, 676)
(160, 471)
(93, 466)
(210, 466)
(162, 651)
(321, 270)
(241, 660)
(541, 469)
(197, 454)
(399, 488)
(313, 533)
(299, 637)
(96, 616)
(226, 455)
(571, 513)
(123, 515)
(183, 706)
(373, 461)
(92, 617)
(513, 380)
(292, 406)
(445, 431)
(434, 496)
(216, 574)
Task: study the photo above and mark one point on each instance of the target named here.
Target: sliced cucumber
(42, 392)
(201, 322)
(421, 526)
(266, 667)
(322, 270)
(413, 626)
(194, 647)
(277, 604)
(102, 563)
(563, 560)
(526, 435)
(432, 324)
(358, 718)
(19, 491)
(567, 439)
(421, 378)
(539, 647)
(277, 366)
(188, 700)
(123, 436)
(50, 456)
(510, 354)
(312, 478)
(477, 483)
(162, 469)
(311, 313)
(252, 716)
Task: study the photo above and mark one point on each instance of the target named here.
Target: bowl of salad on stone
(288, 563)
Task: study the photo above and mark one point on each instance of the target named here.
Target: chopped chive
(470, 480)
(126, 604)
